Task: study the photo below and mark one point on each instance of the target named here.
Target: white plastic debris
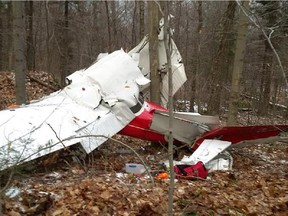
(134, 168)
(55, 175)
(223, 161)
(12, 192)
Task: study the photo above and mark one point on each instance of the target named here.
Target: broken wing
(97, 102)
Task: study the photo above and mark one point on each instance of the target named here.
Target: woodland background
(64, 36)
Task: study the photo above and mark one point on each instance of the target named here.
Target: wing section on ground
(87, 106)
(245, 134)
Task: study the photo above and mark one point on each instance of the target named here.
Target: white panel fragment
(116, 74)
(223, 161)
(207, 151)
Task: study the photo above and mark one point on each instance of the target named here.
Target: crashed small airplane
(105, 99)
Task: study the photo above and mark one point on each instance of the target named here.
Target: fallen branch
(42, 83)
(279, 106)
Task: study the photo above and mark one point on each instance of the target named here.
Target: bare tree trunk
(108, 26)
(19, 37)
(141, 17)
(97, 14)
(266, 80)
(276, 89)
(194, 73)
(238, 65)
(30, 41)
(48, 58)
(178, 24)
(186, 36)
(133, 31)
(114, 25)
(153, 52)
(10, 40)
(1, 42)
(66, 55)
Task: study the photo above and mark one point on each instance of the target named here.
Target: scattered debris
(250, 189)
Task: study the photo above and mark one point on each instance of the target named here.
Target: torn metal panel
(183, 130)
(141, 53)
(211, 121)
(117, 76)
(57, 121)
(207, 151)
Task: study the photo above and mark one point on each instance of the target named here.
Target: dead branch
(42, 83)
(57, 136)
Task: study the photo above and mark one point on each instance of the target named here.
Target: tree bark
(30, 41)
(238, 65)
(10, 40)
(66, 55)
(141, 17)
(133, 31)
(266, 80)
(153, 53)
(1, 40)
(48, 58)
(108, 26)
(115, 43)
(197, 68)
(19, 37)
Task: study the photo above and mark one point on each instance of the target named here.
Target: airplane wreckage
(105, 99)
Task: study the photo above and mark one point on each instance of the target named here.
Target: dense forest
(64, 36)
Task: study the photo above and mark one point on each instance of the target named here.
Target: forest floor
(71, 183)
